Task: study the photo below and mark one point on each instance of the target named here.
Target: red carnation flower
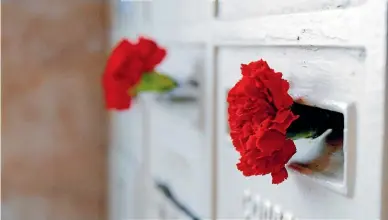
(259, 115)
(150, 54)
(125, 67)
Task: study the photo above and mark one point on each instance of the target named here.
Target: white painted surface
(180, 155)
(179, 158)
(326, 51)
(333, 71)
(235, 9)
(126, 165)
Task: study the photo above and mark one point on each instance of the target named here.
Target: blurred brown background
(54, 149)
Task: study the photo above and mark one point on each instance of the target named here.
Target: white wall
(328, 49)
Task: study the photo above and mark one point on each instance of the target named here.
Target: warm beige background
(54, 148)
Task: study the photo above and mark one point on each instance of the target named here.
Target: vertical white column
(145, 194)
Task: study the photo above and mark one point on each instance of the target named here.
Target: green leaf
(154, 82)
(299, 135)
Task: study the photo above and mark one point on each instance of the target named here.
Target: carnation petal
(150, 53)
(118, 57)
(288, 151)
(270, 141)
(280, 176)
(283, 120)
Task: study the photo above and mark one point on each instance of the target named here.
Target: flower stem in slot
(314, 121)
(311, 124)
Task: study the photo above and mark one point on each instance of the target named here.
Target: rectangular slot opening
(338, 173)
(322, 131)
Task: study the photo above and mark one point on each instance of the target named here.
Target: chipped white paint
(318, 72)
(328, 49)
(235, 9)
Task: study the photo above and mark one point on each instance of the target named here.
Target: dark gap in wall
(317, 120)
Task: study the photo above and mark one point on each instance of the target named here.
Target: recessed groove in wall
(216, 7)
(237, 9)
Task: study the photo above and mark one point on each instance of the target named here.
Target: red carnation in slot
(259, 115)
(131, 69)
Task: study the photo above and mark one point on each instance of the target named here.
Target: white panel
(179, 155)
(179, 158)
(125, 162)
(183, 61)
(324, 72)
(355, 30)
(231, 9)
(186, 62)
(130, 18)
(128, 136)
(316, 72)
